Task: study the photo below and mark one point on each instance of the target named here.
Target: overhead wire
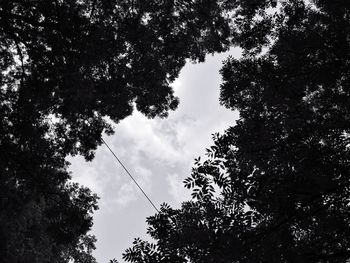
(130, 175)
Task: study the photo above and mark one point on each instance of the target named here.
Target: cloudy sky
(159, 153)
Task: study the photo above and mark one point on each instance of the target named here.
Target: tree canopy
(274, 187)
(81, 61)
(66, 68)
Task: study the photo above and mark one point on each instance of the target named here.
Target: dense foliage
(275, 187)
(80, 61)
(66, 67)
(43, 217)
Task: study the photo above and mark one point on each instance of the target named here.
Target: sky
(159, 153)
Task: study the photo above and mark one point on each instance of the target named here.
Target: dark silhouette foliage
(44, 217)
(81, 61)
(66, 67)
(275, 187)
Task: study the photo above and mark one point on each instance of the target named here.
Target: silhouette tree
(82, 61)
(274, 187)
(44, 218)
(66, 68)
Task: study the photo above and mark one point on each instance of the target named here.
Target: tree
(44, 217)
(67, 67)
(83, 61)
(275, 187)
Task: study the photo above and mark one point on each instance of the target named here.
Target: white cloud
(129, 192)
(87, 174)
(177, 189)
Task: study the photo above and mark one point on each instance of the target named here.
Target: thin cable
(126, 170)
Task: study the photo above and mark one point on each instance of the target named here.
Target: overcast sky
(158, 152)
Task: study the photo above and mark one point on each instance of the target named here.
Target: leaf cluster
(67, 69)
(274, 187)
